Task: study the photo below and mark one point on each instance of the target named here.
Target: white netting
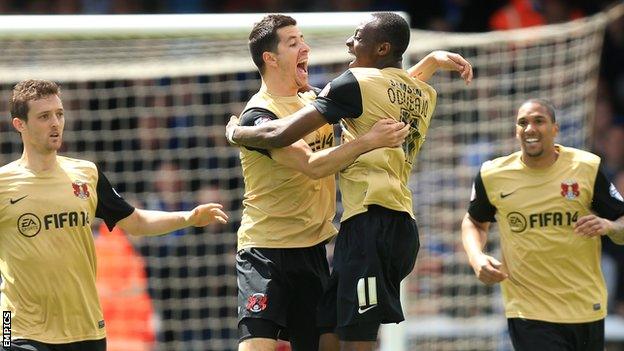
(149, 107)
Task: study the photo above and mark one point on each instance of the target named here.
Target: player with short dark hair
(264, 37)
(47, 205)
(552, 203)
(290, 199)
(378, 239)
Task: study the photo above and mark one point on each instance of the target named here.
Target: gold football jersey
(284, 208)
(47, 255)
(361, 97)
(554, 275)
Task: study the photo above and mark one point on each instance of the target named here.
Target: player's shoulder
(11, 168)
(76, 164)
(501, 164)
(573, 155)
(309, 95)
(258, 100)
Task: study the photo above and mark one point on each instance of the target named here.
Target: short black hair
(263, 36)
(549, 106)
(394, 29)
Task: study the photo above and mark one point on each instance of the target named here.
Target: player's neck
(388, 63)
(279, 86)
(543, 161)
(38, 162)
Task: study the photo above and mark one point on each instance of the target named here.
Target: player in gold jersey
(552, 203)
(47, 256)
(378, 240)
(289, 200)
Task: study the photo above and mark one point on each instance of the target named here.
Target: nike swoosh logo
(363, 310)
(505, 195)
(13, 202)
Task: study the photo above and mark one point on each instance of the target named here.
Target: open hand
(205, 214)
(450, 61)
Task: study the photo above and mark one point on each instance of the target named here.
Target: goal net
(147, 98)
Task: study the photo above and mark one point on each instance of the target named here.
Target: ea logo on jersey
(257, 302)
(570, 189)
(81, 190)
(517, 222)
(28, 225)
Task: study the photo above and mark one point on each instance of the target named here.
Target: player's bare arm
(385, 133)
(444, 60)
(146, 222)
(285, 131)
(592, 225)
(474, 236)
(277, 133)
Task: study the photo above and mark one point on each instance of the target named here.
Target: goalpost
(147, 98)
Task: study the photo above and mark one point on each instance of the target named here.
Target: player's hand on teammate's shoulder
(229, 129)
(387, 133)
(592, 225)
(205, 214)
(488, 269)
(450, 61)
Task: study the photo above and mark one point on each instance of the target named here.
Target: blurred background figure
(122, 286)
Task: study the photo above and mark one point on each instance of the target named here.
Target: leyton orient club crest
(81, 190)
(257, 302)
(570, 189)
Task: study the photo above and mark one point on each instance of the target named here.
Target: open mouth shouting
(302, 73)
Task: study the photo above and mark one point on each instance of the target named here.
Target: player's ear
(18, 124)
(384, 49)
(269, 58)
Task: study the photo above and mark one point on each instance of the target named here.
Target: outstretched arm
(145, 222)
(444, 60)
(474, 236)
(276, 133)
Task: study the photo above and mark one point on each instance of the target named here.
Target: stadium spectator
(552, 204)
(378, 214)
(613, 157)
(216, 257)
(528, 13)
(163, 254)
(122, 287)
(47, 256)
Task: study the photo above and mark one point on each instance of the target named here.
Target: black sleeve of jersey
(111, 207)
(254, 117)
(607, 203)
(341, 98)
(480, 207)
